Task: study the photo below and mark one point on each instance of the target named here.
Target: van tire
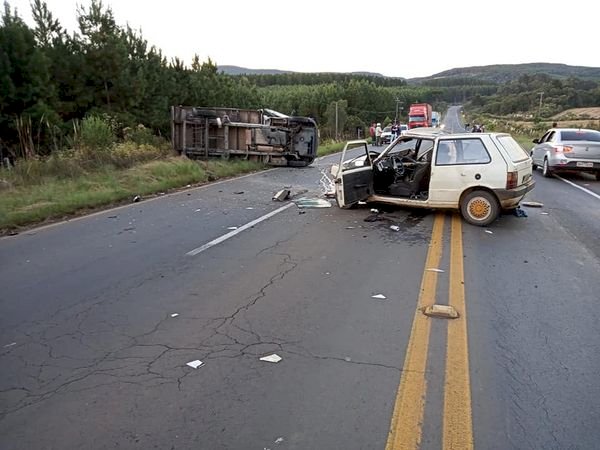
(479, 208)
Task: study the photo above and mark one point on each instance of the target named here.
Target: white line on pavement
(239, 230)
(593, 194)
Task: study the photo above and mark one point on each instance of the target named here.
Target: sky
(394, 38)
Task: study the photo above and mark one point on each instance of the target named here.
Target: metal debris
(195, 364)
(433, 269)
(532, 204)
(282, 195)
(274, 358)
(312, 203)
(444, 311)
(380, 296)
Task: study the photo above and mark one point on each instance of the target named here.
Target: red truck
(419, 115)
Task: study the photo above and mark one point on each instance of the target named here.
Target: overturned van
(263, 135)
(428, 168)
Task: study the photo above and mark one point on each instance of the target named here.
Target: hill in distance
(237, 70)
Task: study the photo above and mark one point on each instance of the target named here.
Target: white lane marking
(234, 232)
(593, 194)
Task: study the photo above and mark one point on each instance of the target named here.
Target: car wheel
(479, 208)
(546, 169)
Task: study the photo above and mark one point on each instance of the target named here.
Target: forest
(51, 81)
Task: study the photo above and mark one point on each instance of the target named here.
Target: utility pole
(398, 103)
(540, 108)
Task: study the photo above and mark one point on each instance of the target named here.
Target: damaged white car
(428, 168)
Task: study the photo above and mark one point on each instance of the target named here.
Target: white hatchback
(478, 174)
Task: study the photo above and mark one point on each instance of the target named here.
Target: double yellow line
(407, 419)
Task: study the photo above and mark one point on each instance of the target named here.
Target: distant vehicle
(403, 128)
(567, 150)
(436, 119)
(386, 135)
(419, 115)
(428, 168)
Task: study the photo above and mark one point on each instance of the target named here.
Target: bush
(97, 134)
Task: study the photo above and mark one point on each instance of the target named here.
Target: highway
(100, 316)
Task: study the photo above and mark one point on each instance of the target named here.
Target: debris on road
(544, 213)
(238, 192)
(113, 217)
(532, 204)
(519, 212)
(282, 195)
(10, 345)
(380, 296)
(279, 440)
(350, 228)
(312, 203)
(374, 210)
(249, 207)
(274, 358)
(443, 311)
(136, 199)
(433, 269)
(395, 228)
(195, 364)
(327, 184)
(232, 228)
(373, 218)
(174, 314)
(489, 232)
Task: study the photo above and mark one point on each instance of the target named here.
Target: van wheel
(546, 169)
(479, 208)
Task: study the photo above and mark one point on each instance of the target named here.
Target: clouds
(390, 37)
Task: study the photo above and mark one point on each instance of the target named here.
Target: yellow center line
(407, 418)
(458, 426)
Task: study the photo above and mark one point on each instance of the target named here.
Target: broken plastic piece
(544, 214)
(375, 210)
(395, 227)
(444, 311)
(312, 203)
(489, 232)
(136, 199)
(282, 195)
(433, 269)
(381, 296)
(279, 440)
(232, 228)
(174, 314)
(195, 364)
(532, 204)
(238, 192)
(274, 358)
(10, 345)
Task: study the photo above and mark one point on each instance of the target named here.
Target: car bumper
(575, 166)
(510, 198)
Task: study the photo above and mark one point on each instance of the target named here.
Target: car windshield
(580, 135)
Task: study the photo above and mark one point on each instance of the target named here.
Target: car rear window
(512, 147)
(580, 135)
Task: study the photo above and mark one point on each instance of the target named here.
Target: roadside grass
(55, 196)
(329, 147)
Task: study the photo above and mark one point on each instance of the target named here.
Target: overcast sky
(394, 38)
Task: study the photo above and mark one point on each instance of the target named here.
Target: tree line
(50, 80)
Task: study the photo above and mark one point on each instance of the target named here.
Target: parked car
(567, 150)
(386, 135)
(429, 168)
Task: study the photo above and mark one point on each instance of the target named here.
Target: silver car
(567, 150)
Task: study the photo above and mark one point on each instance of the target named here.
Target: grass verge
(52, 198)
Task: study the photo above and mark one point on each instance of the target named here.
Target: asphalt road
(92, 356)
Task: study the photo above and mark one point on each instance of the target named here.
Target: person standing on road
(372, 133)
(378, 132)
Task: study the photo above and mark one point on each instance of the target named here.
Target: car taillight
(512, 180)
(562, 149)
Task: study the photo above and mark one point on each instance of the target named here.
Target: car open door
(354, 177)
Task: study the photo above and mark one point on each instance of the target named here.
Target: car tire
(479, 208)
(546, 169)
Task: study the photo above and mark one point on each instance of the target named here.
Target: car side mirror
(536, 141)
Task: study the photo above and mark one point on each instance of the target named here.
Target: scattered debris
(13, 232)
(350, 228)
(300, 192)
(532, 204)
(174, 314)
(198, 210)
(238, 192)
(232, 228)
(373, 218)
(249, 207)
(282, 195)
(189, 185)
(312, 203)
(136, 199)
(112, 217)
(10, 345)
(362, 203)
(327, 184)
(544, 213)
(279, 440)
(348, 359)
(445, 311)
(161, 193)
(519, 212)
(301, 212)
(395, 228)
(380, 296)
(489, 232)
(195, 364)
(435, 270)
(375, 210)
(274, 358)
